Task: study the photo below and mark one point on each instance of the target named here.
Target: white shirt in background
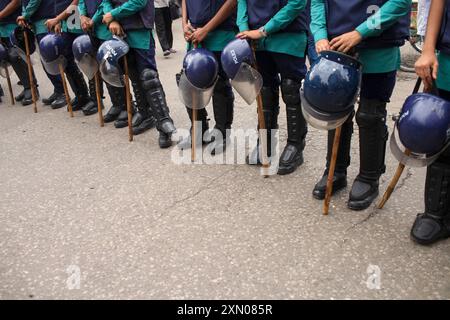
(161, 3)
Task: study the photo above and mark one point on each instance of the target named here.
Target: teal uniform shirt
(137, 39)
(443, 80)
(101, 31)
(374, 60)
(292, 43)
(28, 11)
(74, 26)
(6, 29)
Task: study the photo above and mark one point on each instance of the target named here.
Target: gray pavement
(77, 199)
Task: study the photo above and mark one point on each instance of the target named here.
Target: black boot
(117, 96)
(79, 87)
(271, 109)
(223, 106)
(48, 101)
(342, 161)
(122, 119)
(292, 156)
(156, 98)
(373, 135)
(143, 120)
(91, 107)
(59, 101)
(434, 224)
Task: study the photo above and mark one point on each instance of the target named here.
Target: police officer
(37, 12)
(67, 9)
(213, 30)
(434, 224)
(9, 11)
(352, 26)
(281, 28)
(136, 19)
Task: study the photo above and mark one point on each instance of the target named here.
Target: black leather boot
(292, 156)
(373, 135)
(342, 161)
(79, 87)
(156, 98)
(118, 103)
(143, 120)
(434, 224)
(91, 107)
(223, 106)
(271, 109)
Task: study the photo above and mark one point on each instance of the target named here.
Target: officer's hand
(86, 23)
(252, 35)
(427, 68)
(323, 45)
(116, 29)
(53, 24)
(108, 18)
(188, 30)
(21, 21)
(344, 43)
(199, 35)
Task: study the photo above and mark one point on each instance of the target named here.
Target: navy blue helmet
(53, 49)
(201, 68)
(237, 62)
(330, 90)
(422, 130)
(108, 58)
(17, 39)
(198, 78)
(85, 53)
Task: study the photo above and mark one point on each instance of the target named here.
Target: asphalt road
(86, 214)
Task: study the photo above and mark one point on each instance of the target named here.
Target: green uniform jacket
(374, 60)
(281, 42)
(137, 39)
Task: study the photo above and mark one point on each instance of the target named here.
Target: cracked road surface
(79, 199)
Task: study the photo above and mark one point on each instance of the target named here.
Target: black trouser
(163, 25)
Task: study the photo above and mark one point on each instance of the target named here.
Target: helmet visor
(3, 66)
(193, 97)
(321, 120)
(247, 82)
(53, 67)
(409, 158)
(88, 65)
(112, 74)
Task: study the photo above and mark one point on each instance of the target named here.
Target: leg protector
(292, 156)
(296, 123)
(143, 120)
(156, 98)
(118, 103)
(373, 135)
(434, 224)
